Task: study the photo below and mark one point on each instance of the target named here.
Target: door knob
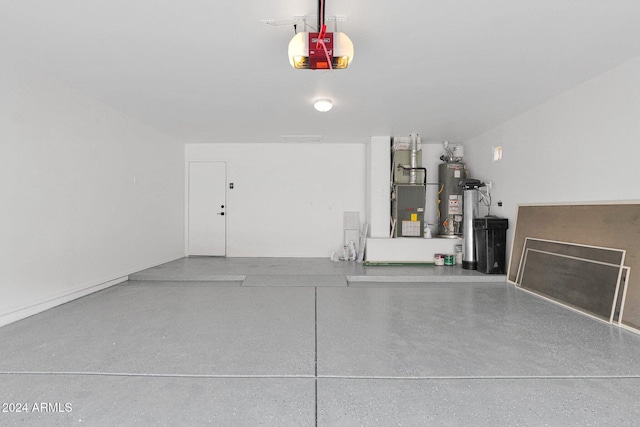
(221, 213)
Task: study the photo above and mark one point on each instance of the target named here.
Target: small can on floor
(438, 259)
(458, 254)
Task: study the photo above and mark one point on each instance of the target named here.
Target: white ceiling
(213, 71)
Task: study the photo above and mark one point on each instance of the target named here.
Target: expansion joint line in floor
(315, 334)
(155, 375)
(329, 377)
(478, 377)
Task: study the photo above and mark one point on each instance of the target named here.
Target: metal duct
(414, 158)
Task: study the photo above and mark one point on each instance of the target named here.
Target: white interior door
(206, 222)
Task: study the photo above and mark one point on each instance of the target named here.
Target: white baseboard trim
(23, 313)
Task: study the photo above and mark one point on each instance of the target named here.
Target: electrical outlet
(496, 153)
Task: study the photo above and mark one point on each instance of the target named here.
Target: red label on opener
(320, 51)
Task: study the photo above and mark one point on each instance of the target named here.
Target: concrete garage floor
(304, 342)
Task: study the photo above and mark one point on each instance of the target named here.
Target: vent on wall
(302, 138)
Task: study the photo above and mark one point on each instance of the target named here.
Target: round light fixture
(323, 105)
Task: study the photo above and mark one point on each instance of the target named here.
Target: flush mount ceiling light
(322, 105)
(320, 50)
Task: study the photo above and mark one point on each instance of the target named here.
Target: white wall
(583, 145)
(378, 186)
(87, 194)
(288, 199)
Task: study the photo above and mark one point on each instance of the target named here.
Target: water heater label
(454, 207)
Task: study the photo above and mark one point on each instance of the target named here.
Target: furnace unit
(408, 189)
(408, 210)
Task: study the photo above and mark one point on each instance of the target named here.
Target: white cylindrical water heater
(469, 259)
(471, 208)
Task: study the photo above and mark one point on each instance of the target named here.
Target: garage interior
(114, 312)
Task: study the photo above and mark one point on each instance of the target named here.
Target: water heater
(450, 198)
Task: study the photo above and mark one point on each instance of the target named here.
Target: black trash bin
(490, 234)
